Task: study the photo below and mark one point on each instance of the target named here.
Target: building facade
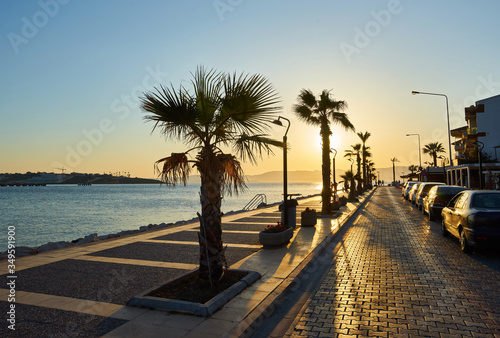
(476, 163)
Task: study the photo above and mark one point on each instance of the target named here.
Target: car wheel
(444, 231)
(464, 245)
(431, 216)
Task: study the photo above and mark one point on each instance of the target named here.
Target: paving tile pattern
(394, 275)
(36, 321)
(226, 237)
(164, 252)
(97, 281)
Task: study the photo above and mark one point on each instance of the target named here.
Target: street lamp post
(447, 116)
(334, 180)
(419, 150)
(285, 175)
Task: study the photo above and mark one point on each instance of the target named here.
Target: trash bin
(291, 205)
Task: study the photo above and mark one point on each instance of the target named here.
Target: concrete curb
(267, 307)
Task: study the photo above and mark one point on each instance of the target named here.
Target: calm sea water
(67, 212)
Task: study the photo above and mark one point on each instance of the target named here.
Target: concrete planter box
(269, 239)
(144, 300)
(308, 218)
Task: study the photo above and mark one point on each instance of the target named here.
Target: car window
(488, 201)
(461, 202)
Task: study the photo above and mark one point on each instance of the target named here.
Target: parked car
(438, 197)
(407, 188)
(422, 191)
(413, 192)
(473, 216)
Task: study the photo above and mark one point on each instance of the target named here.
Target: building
(480, 135)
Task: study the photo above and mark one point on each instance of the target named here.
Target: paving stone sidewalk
(394, 275)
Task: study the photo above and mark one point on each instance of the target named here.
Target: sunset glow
(70, 91)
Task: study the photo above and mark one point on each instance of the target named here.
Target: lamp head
(278, 122)
(414, 92)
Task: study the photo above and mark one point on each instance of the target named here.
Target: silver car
(473, 216)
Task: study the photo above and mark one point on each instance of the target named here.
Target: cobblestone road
(395, 275)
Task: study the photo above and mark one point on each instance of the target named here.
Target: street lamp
(447, 116)
(419, 150)
(334, 181)
(285, 177)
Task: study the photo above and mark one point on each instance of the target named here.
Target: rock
(143, 228)
(87, 239)
(53, 245)
(25, 251)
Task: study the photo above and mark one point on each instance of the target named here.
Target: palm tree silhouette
(221, 110)
(322, 112)
(433, 149)
(364, 137)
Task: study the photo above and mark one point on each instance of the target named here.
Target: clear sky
(72, 73)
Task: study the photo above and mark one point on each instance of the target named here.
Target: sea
(52, 213)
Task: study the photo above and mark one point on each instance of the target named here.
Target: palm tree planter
(336, 205)
(275, 236)
(308, 218)
(154, 299)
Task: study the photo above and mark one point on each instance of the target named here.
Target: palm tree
(364, 137)
(433, 149)
(349, 183)
(356, 152)
(322, 112)
(221, 110)
(413, 168)
(393, 160)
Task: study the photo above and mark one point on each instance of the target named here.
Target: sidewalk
(83, 291)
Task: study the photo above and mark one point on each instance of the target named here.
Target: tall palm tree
(433, 149)
(322, 112)
(364, 137)
(393, 160)
(221, 110)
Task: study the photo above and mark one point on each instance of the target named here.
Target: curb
(267, 307)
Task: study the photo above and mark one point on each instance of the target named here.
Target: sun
(335, 142)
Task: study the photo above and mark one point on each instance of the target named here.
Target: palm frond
(174, 112)
(233, 179)
(249, 104)
(251, 147)
(175, 169)
(207, 87)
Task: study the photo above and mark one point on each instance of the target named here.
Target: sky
(72, 73)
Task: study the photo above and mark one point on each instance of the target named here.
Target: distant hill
(296, 176)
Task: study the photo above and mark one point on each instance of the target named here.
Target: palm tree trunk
(326, 194)
(212, 258)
